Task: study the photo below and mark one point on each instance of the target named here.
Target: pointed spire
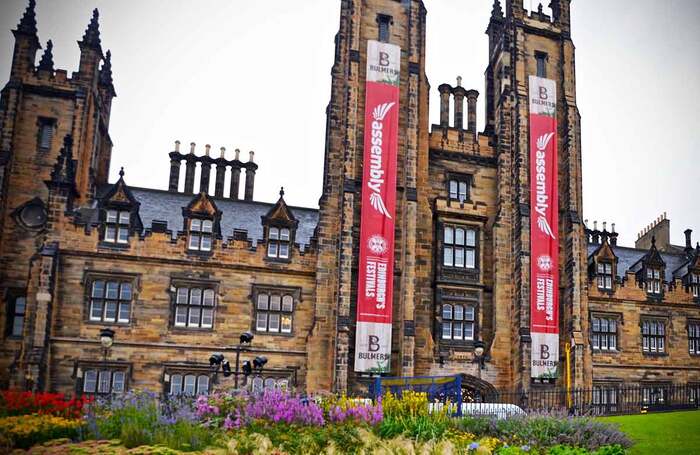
(106, 72)
(46, 63)
(63, 173)
(121, 173)
(91, 38)
(282, 192)
(27, 25)
(653, 241)
(496, 11)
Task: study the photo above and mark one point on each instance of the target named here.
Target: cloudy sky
(256, 76)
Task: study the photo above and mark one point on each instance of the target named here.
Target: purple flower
(473, 446)
(525, 448)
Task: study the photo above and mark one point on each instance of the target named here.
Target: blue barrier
(439, 389)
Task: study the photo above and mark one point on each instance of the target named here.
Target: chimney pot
(206, 149)
(595, 225)
(177, 146)
(605, 224)
(251, 156)
(192, 145)
(223, 152)
(613, 227)
(688, 240)
(238, 154)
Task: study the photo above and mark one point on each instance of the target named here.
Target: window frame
(459, 180)
(11, 298)
(118, 302)
(602, 337)
(278, 242)
(693, 331)
(541, 59)
(605, 278)
(694, 284)
(605, 397)
(182, 374)
(384, 23)
(283, 293)
(462, 321)
(201, 234)
(45, 124)
(204, 288)
(653, 280)
(99, 370)
(454, 246)
(649, 338)
(118, 225)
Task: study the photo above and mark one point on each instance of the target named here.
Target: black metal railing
(608, 399)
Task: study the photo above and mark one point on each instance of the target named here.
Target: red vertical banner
(376, 266)
(544, 230)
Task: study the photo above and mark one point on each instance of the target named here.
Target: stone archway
(476, 390)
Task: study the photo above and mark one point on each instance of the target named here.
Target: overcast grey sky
(255, 75)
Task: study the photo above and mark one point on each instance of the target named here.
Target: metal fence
(600, 400)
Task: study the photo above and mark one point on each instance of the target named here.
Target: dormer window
(201, 232)
(278, 243)
(653, 281)
(695, 284)
(117, 226)
(605, 276)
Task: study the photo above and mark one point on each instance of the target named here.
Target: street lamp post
(106, 340)
(219, 360)
(479, 357)
(245, 340)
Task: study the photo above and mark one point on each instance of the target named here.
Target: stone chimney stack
(190, 168)
(220, 173)
(250, 168)
(235, 176)
(445, 92)
(459, 93)
(472, 97)
(175, 162)
(659, 229)
(205, 170)
(688, 240)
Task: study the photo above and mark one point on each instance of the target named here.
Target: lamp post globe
(106, 338)
(479, 348)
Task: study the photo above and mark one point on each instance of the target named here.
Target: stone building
(180, 273)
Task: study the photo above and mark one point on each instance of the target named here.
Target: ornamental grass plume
(277, 406)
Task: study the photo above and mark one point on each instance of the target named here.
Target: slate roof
(159, 205)
(628, 257)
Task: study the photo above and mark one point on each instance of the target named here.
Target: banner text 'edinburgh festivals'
(376, 267)
(544, 219)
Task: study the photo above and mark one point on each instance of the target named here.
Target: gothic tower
(45, 117)
(521, 45)
(332, 343)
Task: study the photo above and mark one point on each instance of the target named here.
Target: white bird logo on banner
(376, 200)
(380, 111)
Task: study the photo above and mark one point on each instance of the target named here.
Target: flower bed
(28, 430)
(280, 422)
(14, 403)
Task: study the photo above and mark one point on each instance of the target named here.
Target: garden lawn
(663, 433)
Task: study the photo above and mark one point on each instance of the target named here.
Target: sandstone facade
(179, 275)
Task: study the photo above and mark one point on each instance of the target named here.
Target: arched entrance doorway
(476, 390)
